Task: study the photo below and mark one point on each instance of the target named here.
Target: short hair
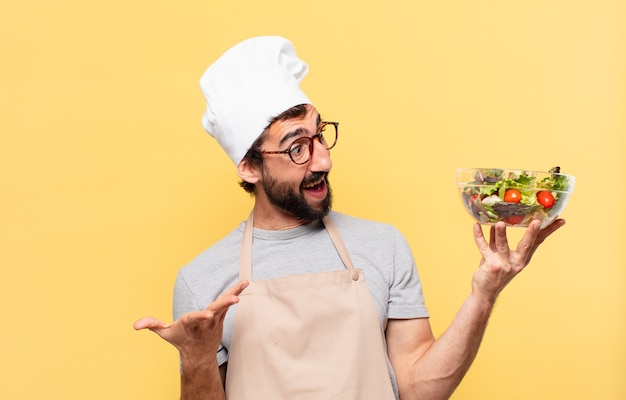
(254, 156)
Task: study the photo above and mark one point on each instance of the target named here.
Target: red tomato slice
(545, 199)
(512, 196)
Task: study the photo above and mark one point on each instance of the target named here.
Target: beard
(283, 196)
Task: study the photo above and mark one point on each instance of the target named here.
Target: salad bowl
(514, 196)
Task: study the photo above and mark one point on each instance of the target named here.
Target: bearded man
(301, 302)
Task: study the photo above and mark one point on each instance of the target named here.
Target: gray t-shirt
(378, 249)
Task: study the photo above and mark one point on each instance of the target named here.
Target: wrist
(192, 362)
(483, 302)
(201, 378)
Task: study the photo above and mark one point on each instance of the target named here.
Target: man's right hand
(196, 333)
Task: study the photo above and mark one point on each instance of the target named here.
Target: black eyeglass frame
(319, 135)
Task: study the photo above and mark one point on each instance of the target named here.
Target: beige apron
(313, 336)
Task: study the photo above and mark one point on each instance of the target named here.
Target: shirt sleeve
(184, 300)
(406, 297)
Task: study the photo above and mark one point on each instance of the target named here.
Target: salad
(515, 197)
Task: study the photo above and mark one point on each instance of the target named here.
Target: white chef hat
(250, 84)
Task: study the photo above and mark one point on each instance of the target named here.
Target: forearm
(201, 379)
(438, 372)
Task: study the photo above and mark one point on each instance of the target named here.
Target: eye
(296, 149)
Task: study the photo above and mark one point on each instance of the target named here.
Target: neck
(272, 218)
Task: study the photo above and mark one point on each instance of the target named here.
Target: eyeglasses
(301, 149)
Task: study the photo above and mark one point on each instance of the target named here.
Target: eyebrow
(297, 132)
(289, 135)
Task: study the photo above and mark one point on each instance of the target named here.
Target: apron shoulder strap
(245, 255)
(335, 237)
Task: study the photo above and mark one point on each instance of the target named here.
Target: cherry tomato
(515, 219)
(545, 199)
(512, 196)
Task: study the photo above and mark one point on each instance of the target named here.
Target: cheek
(284, 173)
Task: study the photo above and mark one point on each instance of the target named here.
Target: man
(301, 302)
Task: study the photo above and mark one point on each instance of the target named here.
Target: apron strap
(335, 237)
(245, 257)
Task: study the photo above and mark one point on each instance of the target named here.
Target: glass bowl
(515, 196)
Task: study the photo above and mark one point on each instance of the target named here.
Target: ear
(248, 172)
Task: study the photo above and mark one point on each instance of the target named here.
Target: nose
(320, 158)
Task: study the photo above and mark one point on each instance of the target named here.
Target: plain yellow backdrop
(109, 184)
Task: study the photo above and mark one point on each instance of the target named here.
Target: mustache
(315, 177)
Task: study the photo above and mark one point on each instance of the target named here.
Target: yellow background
(109, 184)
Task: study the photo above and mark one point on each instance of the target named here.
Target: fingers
(534, 235)
(479, 238)
(543, 234)
(550, 229)
(213, 315)
(216, 311)
(530, 236)
(197, 317)
(228, 298)
(501, 242)
(497, 240)
(149, 323)
(237, 288)
(492, 237)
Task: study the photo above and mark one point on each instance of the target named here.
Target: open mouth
(316, 185)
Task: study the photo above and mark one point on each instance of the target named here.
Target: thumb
(149, 323)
